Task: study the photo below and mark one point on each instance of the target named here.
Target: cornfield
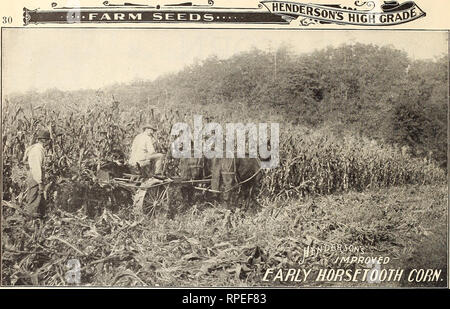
(206, 245)
(320, 163)
(312, 162)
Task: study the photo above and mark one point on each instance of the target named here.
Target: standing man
(35, 156)
(143, 151)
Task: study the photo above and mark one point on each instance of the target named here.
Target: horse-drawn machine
(152, 193)
(230, 180)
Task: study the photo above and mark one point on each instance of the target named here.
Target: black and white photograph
(224, 158)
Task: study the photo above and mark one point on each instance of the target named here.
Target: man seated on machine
(143, 153)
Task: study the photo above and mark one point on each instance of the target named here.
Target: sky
(71, 59)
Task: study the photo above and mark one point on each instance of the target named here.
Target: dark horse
(234, 180)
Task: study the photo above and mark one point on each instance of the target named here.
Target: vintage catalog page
(224, 144)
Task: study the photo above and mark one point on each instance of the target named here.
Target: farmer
(35, 194)
(143, 152)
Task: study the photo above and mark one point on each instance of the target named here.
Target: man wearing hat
(35, 157)
(143, 151)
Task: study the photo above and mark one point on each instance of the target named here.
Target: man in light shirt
(35, 157)
(143, 151)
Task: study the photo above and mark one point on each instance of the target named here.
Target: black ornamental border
(206, 14)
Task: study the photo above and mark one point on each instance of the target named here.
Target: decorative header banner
(364, 13)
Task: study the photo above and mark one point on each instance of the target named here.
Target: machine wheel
(156, 200)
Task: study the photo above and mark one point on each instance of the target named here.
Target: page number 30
(7, 20)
